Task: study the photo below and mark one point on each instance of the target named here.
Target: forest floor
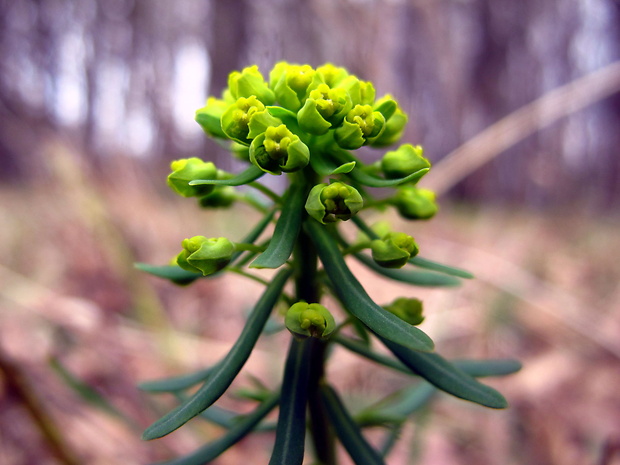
(546, 293)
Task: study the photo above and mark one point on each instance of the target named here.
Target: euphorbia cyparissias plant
(305, 123)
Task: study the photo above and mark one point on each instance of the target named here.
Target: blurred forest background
(96, 98)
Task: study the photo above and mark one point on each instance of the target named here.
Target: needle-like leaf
(347, 430)
(286, 231)
(356, 300)
(225, 371)
(291, 429)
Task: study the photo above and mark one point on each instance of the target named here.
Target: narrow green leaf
(325, 166)
(356, 300)
(176, 383)
(286, 231)
(445, 376)
(174, 273)
(86, 392)
(476, 368)
(347, 430)
(225, 371)
(251, 173)
(434, 266)
(291, 429)
(375, 181)
(237, 432)
(365, 351)
(417, 278)
(398, 406)
(491, 367)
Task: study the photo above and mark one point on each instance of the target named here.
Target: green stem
(308, 289)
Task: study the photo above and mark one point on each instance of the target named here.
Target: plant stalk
(308, 290)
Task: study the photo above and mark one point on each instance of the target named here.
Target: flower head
(394, 250)
(190, 169)
(405, 160)
(333, 202)
(309, 320)
(206, 256)
(278, 149)
(415, 203)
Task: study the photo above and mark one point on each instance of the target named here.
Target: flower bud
(309, 320)
(361, 92)
(407, 309)
(393, 130)
(414, 203)
(386, 105)
(405, 160)
(324, 108)
(277, 150)
(250, 82)
(360, 124)
(221, 197)
(206, 256)
(236, 118)
(333, 202)
(291, 82)
(210, 117)
(394, 250)
(332, 75)
(189, 169)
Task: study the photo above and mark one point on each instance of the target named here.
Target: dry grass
(547, 293)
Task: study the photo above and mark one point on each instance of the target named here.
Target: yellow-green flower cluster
(296, 103)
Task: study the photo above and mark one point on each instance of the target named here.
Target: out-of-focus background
(517, 105)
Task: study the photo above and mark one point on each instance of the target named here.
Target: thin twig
(523, 122)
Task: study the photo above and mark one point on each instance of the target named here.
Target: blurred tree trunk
(456, 67)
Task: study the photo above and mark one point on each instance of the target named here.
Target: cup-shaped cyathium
(360, 124)
(277, 150)
(205, 255)
(190, 169)
(415, 203)
(309, 320)
(236, 119)
(328, 203)
(394, 250)
(290, 83)
(407, 309)
(405, 160)
(323, 109)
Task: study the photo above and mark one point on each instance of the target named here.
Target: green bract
(402, 162)
(189, 169)
(394, 250)
(407, 309)
(250, 82)
(304, 122)
(414, 203)
(209, 117)
(309, 320)
(206, 256)
(333, 202)
(277, 150)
